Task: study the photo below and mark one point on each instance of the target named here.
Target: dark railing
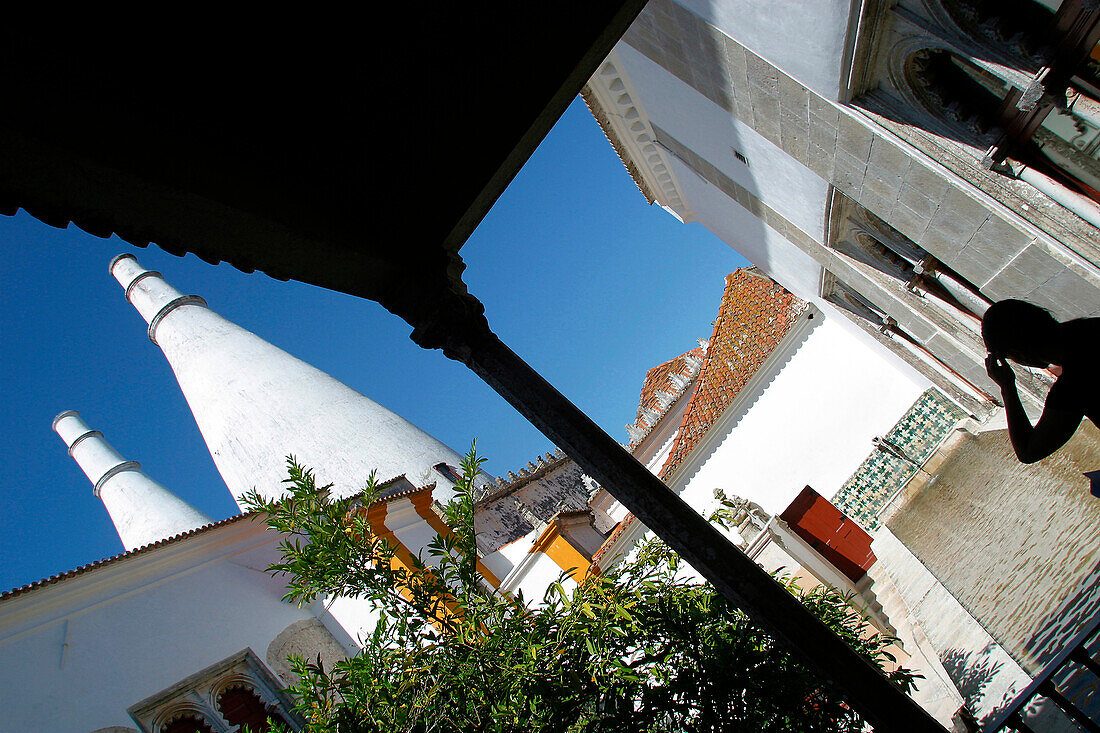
(1043, 685)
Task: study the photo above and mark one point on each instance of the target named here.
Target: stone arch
(242, 704)
(1007, 31)
(1031, 122)
(186, 723)
(960, 95)
(183, 716)
(307, 639)
(238, 679)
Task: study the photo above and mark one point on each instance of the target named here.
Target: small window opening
(449, 472)
(241, 706)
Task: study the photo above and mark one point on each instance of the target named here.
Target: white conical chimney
(142, 510)
(255, 404)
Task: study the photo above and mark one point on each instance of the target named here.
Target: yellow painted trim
(376, 517)
(557, 548)
(423, 504)
(403, 553)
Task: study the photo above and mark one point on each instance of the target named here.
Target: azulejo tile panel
(897, 457)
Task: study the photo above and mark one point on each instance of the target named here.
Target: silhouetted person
(1030, 336)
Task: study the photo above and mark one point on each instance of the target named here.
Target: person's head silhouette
(1023, 332)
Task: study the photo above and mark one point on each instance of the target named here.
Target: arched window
(186, 724)
(227, 696)
(1018, 27)
(1059, 137)
(964, 96)
(241, 706)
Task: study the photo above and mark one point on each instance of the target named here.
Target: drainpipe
(1083, 206)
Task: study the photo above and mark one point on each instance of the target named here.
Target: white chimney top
(255, 404)
(148, 292)
(142, 510)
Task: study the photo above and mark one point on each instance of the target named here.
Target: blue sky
(578, 275)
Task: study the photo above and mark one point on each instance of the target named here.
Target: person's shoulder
(1068, 388)
(1082, 329)
(1083, 338)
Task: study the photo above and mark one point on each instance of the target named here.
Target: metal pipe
(1083, 206)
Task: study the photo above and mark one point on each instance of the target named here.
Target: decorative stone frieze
(614, 105)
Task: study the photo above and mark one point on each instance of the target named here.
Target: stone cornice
(614, 105)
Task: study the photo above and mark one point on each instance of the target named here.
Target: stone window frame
(198, 695)
(979, 45)
(897, 107)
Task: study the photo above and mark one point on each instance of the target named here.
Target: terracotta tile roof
(402, 494)
(662, 386)
(755, 314)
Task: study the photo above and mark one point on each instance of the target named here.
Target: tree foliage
(638, 648)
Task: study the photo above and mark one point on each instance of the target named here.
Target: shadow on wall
(722, 184)
(972, 677)
(1056, 629)
(1015, 544)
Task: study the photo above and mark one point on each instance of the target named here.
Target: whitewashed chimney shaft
(255, 404)
(142, 510)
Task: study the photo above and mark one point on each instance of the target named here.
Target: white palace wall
(806, 418)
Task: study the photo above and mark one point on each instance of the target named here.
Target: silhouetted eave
(355, 158)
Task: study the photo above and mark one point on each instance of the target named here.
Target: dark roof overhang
(354, 157)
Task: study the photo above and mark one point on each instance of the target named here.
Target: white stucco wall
(805, 38)
(526, 572)
(255, 404)
(740, 229)
(350, 620)
(74, 656)
(806, 420)
(711, 132)
(540, 571)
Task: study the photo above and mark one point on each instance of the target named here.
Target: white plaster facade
(135, 639)
(77, 654)
(807, 418)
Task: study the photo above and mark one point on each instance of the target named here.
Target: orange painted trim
(422, 502)
(376, 517)
(565, 556)
(403, 557)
